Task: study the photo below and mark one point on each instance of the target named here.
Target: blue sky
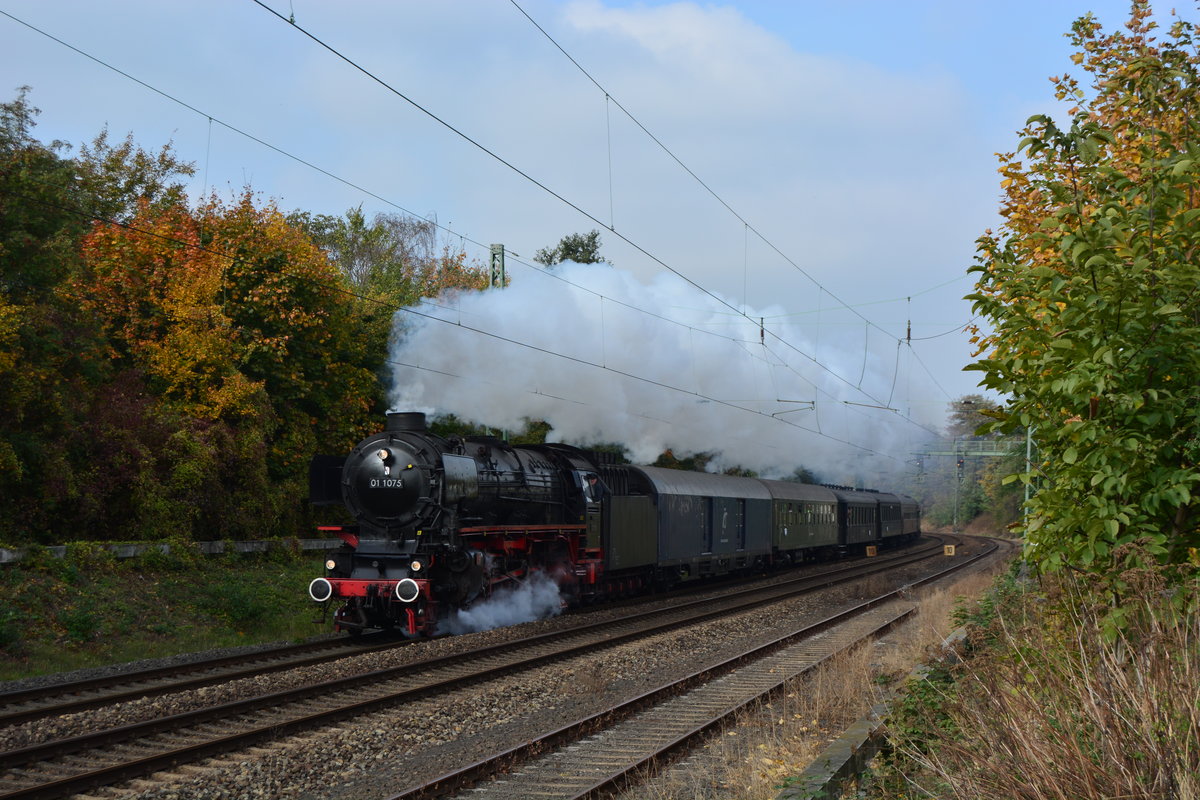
(854, 140)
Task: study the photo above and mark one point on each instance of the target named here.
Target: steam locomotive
(442, 523)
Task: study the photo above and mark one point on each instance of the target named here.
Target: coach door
(740, 533)
(708, 522)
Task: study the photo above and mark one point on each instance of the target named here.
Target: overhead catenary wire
(588, 215)
(930, 374)
(815, 361)
(414, 312)
(747, 226)
(491, 153)
(955, 329)
(211, 119)
(367, 192)
(689, 170)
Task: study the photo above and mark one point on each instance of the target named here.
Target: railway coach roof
(704, 484)
(855, 496)
(805, 492)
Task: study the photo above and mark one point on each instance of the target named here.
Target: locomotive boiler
(441, 522)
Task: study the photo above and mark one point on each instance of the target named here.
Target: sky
(789, 193)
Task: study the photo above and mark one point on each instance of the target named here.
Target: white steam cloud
(576, 347)
(533, 599)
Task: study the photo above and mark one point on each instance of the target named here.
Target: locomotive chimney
(405, 421)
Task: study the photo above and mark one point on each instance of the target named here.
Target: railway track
(606, 752)
(70, 697)
(582, 763)
(71, 765)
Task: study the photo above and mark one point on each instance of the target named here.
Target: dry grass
(778, 739)
(1054, 708)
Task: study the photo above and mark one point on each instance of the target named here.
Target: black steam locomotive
(445, 522)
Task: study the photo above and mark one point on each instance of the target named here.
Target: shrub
(1053, 702)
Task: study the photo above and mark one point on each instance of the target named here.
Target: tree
(802, 475)
(113, 179)
(968, 413)
(582, 248)
(380, 256)
(168, 370)
(390, 263)
(246, 337)
(49, 354)
(1090, 287)
(39, 225)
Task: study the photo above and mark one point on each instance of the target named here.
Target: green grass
(89, 610)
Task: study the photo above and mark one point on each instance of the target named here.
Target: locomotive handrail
(487, 528)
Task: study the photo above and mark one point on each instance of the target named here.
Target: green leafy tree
(381, 256)
(50, 361)
(1090, 288)
(968, 414)
(582, 248)
(39, 226)
(113, 179)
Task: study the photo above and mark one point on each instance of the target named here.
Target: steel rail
(595, 636)
(15, 706)
(614, 779)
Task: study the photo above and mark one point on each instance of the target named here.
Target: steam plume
(708, 380)
(534, 599)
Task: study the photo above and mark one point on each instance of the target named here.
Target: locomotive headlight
(330, 564)
(416, 566)
(320, 590)
(383, 455)
(407, 590)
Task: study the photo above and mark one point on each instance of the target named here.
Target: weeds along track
(58, 767)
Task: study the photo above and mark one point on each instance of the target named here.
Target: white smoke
(694, 375)
(533, 599)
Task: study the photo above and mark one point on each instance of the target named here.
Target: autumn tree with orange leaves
(249, 340)
(1090, 288)
(168, 370)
